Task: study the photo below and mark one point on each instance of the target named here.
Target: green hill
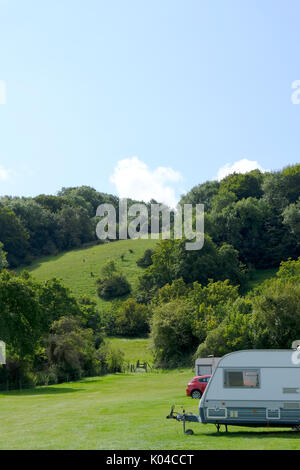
(74, 268)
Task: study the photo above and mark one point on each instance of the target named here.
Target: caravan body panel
(255, 387)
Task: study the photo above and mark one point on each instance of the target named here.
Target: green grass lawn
(121, 411)
(75, 267)
(134, 349)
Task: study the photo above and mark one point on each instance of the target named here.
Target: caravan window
(241, 378)
(204, 370)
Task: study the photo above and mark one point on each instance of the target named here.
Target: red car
(197, 385)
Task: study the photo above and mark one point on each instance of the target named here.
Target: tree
(243, 185)
(282, 188)
(222, 199)
(232, 334)
(74, 227)
(71, 349)
(289, 269)
(202, 194)
(21, 317)
(51, 203)
(276, 313)
(3, 260)
(14, 237)
(39, 223)
(172, 334)
(291, 218)
(56, 301)
(112, 283)
(132, 319)
(172, 261)
(255, 230)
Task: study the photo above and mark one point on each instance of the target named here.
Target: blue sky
(133, 95)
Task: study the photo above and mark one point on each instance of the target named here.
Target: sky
(145, 99)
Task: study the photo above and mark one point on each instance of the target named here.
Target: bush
(233, 334)
(110, 358)
(172, 334)
(145, 260)
(112, 283)
(71, 349)
(112, 287)
(276, 313)
(132, 319)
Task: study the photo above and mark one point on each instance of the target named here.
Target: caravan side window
(248, 378)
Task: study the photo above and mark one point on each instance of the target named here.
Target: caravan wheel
(196, 394)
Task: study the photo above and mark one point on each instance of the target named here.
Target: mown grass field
(74, 267)
(121, 411)
(134, 349)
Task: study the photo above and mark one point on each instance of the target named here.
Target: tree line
(191, 302)
(50, 336)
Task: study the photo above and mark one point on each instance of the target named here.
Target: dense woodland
(191, 302)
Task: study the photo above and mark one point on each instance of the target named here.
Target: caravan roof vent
(295, 344)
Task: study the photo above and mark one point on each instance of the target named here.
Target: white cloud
(241, 166)
(4, 174)
(134, 179)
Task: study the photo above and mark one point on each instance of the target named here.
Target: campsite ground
(121, 411)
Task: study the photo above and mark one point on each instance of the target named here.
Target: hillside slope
(74, 268)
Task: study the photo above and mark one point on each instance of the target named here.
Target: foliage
(14, 237)
(243, 185)
(132, 319)
(202, 194)
(35, 315)
(3, 260)
(21, 315)
(71, 349)
(172, 333)
(113, 286)
(172, 261)
(145, 260)
(276, 313)
(113, 283)
(291, 218)
(232, 334)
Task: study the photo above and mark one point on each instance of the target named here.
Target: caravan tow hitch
(183, 417)
(189, 417)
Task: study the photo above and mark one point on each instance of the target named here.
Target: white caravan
(252, 388)
(206, 365)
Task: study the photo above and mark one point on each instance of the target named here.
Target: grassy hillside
(75, 267)
(121, 411)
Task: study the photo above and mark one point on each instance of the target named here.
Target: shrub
(172, 334)
(114, 286)
(132, 319)
(145, 260)
(112, 283)
(110, 358)
(71, 349)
